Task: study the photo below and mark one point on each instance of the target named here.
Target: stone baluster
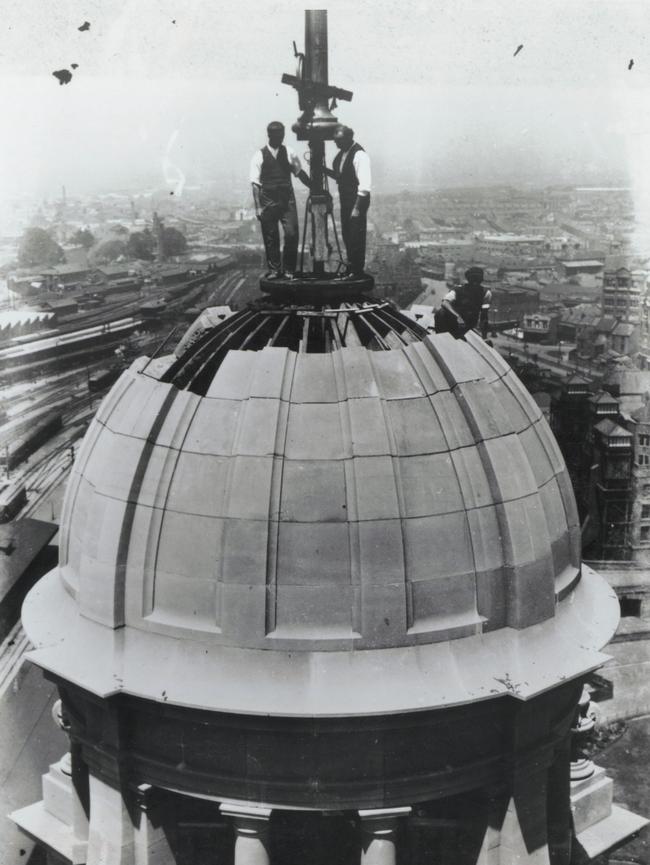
(251, 823)
(378, 835)
(583, 725)
(61, 793)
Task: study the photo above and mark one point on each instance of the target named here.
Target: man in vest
(351, 170)
(465, 307)
(271, 170)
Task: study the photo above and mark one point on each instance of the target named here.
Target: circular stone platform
(308, 289)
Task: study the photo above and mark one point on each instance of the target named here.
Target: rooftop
(513, 238)
(642, 414)
(603, 398)
(623, 328)
(613, 430)
(582, 262)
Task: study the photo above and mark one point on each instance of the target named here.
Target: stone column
(378, 835)
(251, 824)
(150, 841)
(111, 837)
(523, 834)
(558, 806)
(515, 847)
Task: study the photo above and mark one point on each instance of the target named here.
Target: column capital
(379, 832)
(252, 829)
(145, 797)
(384, 813)
(245, 811)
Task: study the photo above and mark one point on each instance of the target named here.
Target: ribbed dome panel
(344, 499)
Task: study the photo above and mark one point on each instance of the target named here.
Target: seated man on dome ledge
(465, 307)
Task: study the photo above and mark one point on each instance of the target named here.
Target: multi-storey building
(622, 294)
(512, 302)
(612, 475)
(540, 327)
(504, 245)
(640, 508)
(586, 272)
(607, 451)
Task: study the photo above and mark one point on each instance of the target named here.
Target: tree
(174, 242)
(141, 245)
(108, 251)
(119, 229)
(83, 237)
(38, 248)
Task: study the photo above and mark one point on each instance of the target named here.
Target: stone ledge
(608, 833)
(592, 804)
(195, 673)
(46, 829)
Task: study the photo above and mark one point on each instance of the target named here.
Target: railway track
(12, 656)
(48, 466)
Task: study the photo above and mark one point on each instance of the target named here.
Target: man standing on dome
(351, 170)
(271, 170)
(465, 307)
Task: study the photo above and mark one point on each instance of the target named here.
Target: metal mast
(316, 125)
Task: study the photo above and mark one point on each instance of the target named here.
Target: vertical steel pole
(316, 71)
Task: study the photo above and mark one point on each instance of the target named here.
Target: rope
(342, 263)
(304, 235)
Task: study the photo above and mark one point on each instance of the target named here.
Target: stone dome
(391, 491)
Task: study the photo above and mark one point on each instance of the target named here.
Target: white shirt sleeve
(256, 168)
(487, 299)
(294, 161)
(450, 297)
(361, 164)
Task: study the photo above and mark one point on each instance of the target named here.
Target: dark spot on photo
(64, 76)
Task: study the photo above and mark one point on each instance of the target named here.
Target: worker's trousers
(353, 230)
(278, 205)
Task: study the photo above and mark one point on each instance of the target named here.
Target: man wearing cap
(351, 170)
(271, 170)
(465, 307)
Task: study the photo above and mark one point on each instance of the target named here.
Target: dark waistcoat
(347, 177)
(275, 172)
(469, 300)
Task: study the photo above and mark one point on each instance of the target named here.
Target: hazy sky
(166, 91)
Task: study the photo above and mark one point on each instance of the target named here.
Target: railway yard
(50, 387)
(51, 383)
